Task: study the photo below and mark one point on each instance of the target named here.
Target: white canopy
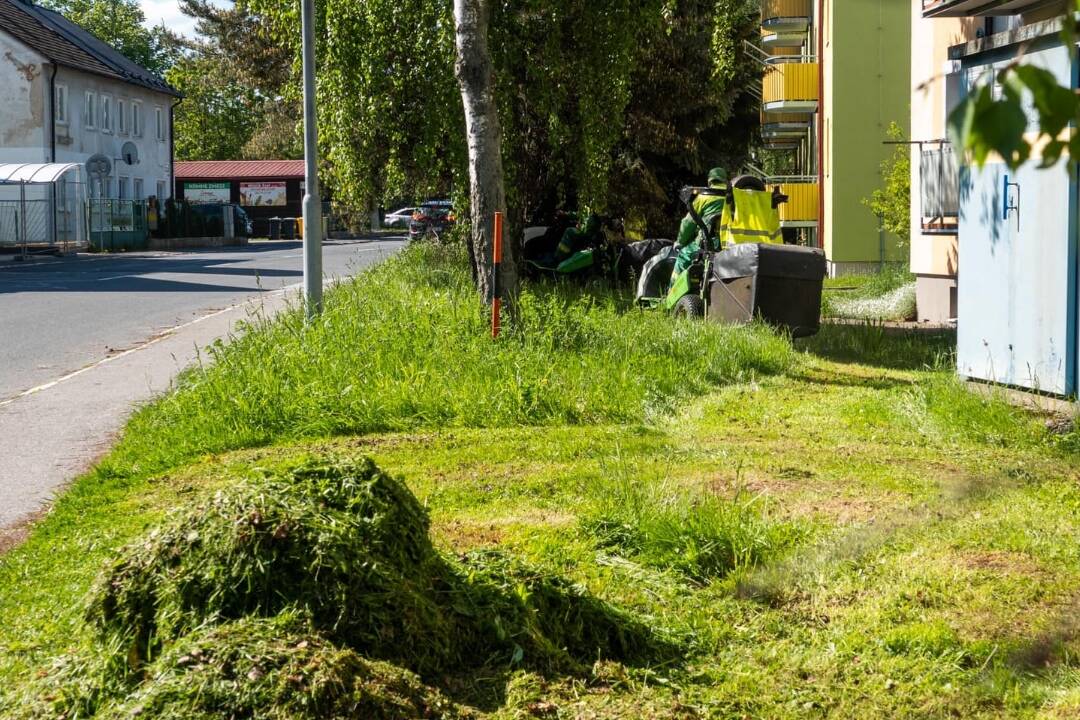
(35, 172)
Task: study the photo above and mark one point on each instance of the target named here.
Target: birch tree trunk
(475, 75)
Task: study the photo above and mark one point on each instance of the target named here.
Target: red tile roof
(242, 169)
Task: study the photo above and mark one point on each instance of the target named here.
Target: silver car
(399, 218)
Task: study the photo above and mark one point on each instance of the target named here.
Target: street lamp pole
(312, 198)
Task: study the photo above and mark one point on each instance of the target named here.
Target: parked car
(433, 217)
(399, 218)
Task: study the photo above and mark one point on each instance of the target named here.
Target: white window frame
(161, 190)
(60, 105)
(106, 114)
(137, 189)
(90, 111)
(159, 122)
(121, 116)
(123, 187)
(136, 118)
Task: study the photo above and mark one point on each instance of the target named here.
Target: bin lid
(790, 261)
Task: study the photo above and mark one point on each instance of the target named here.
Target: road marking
(152, 341)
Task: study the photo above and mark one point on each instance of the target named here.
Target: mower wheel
(689, 306)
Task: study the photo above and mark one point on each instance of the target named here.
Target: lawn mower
(736, 282)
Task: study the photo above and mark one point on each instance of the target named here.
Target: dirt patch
(999, 562)
(14, 535)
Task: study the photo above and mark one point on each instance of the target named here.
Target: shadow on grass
(874, 344)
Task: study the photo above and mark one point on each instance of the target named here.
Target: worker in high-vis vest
(750, 216)
(709, 209)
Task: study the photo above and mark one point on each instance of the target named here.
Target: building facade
(66, 96)
(1006, 240)
(837, 78)
(264, 188)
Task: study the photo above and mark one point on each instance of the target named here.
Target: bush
(406, 345)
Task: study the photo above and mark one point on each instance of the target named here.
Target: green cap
(718, 176)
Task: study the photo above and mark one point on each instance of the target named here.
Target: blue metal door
(1017, 280)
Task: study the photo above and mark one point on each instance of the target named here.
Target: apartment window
(159, 122)
(90, 111)
(106, 114)
(122, 188)
(138, 193)
(60, 110)
(136, 119)
(161, 190)
(121, 116)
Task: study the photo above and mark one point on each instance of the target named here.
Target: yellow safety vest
(750, 219)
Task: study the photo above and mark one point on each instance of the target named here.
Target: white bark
(475, 75)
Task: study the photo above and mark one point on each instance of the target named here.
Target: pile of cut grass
(333, 558)
(406, 346)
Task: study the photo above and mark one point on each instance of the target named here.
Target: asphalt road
(84, 340)
(57, 317)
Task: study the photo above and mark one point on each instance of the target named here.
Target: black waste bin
(288, 228)
(781, 284)
(275, 228)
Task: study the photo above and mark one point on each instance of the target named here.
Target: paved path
(83, 340)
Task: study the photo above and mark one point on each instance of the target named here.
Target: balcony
(801, 209)
(786, 15)
(790, 87)
(979, 8)
(784, 126)
(939, 186)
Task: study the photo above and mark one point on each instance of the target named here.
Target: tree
(892, 202)
(218, 115)
(240, 98)
(487, 193)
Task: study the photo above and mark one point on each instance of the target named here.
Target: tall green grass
(406, 346)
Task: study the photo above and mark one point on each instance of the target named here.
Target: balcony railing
(786, 15)
(801, 209)
(978, 8)
(790, 87)
(940, 189)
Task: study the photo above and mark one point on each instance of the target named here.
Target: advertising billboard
(262, 194)
(207, 192)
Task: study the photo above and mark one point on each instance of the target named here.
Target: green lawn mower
(738, 282)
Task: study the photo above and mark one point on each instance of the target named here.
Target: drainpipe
(172, 151)
(52, 142)
(821, 124)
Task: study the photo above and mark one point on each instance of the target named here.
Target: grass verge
(843, 533)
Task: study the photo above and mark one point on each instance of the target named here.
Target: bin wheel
(689, 306)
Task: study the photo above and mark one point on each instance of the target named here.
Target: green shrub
(406, 345)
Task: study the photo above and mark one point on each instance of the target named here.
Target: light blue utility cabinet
(1017, 284)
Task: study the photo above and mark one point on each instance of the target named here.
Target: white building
(65, 96)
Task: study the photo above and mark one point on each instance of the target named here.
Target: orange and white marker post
(496, 284)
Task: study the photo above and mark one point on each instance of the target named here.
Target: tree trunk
(487, 191)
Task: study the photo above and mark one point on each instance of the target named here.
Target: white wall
(24, 77)
(76, 142)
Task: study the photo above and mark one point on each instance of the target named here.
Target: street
(84, 339)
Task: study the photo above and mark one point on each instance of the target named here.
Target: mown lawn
(838, 531)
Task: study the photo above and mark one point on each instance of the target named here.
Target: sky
(157, 11)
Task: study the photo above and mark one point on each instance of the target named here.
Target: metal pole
(312, 204)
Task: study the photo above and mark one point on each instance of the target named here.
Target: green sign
(207, 192)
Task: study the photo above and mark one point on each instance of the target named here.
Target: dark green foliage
(276, 669)
(347, 547)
